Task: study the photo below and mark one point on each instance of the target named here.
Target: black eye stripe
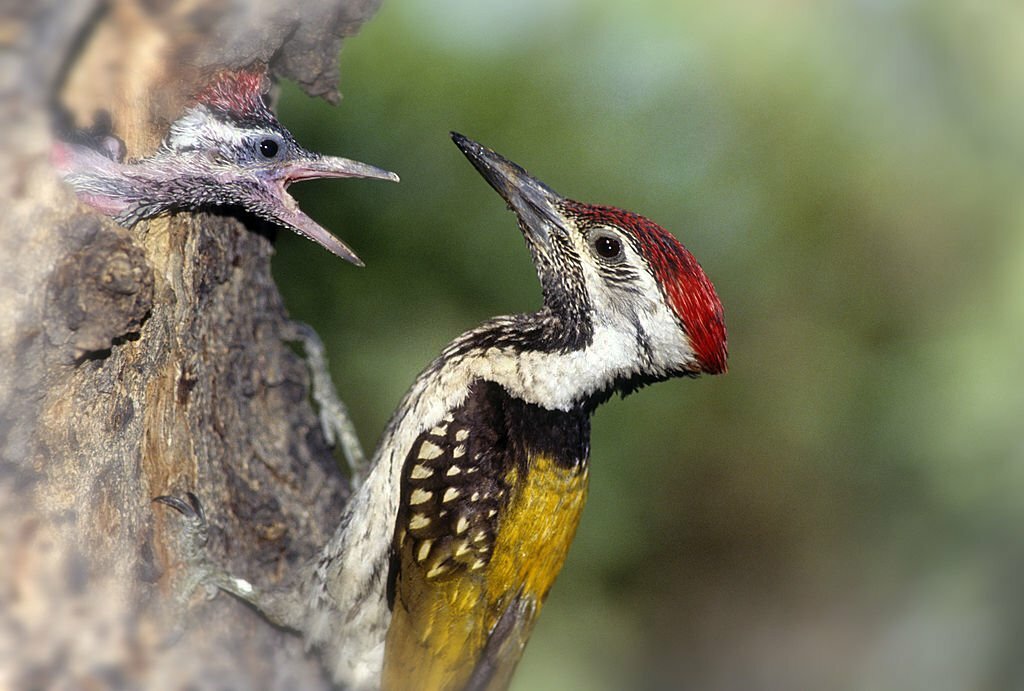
(620, 274)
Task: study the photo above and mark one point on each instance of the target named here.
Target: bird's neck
(534, 358)
(542, 359)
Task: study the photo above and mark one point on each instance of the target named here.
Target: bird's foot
(192, 539)
(283, 605)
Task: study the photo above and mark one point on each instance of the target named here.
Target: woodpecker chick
(228, 149)
(446, 552)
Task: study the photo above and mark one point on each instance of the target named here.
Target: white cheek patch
(668, 345)
(639, 314)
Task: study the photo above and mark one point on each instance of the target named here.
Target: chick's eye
(608, 247)
(268, 148)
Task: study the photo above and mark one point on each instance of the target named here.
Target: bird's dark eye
(607, 246)
(268, 148)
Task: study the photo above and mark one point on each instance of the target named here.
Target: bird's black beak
(537, 205)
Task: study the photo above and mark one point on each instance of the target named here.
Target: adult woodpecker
(446, 552)
(227, 149)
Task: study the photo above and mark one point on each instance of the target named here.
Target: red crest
(239, 92)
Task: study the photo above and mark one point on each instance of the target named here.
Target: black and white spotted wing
(453, 491)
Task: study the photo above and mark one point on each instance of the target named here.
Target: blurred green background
(845, 508)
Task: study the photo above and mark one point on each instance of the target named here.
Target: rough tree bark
(147, 361)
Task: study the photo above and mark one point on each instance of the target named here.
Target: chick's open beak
(286, 211)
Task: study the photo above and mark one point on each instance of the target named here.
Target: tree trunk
(147, 361)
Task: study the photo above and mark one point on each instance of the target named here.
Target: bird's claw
(192, 549)
(197, 531)
(193, 509)
(192, 543)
